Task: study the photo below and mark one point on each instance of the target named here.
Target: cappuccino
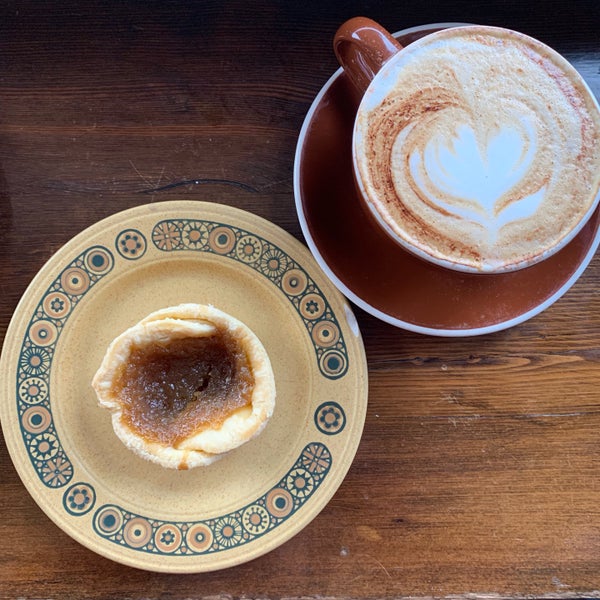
(478, 148)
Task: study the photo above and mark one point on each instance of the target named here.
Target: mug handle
(362, 46)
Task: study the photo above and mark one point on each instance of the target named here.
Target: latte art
(480, 150)
(474, 179)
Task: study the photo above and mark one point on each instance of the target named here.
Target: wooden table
(479, 468)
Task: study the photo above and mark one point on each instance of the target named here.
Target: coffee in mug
(477, 148)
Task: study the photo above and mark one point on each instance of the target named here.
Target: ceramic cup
(475, 148)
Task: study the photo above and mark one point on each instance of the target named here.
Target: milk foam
(483, 149)
(479, 175)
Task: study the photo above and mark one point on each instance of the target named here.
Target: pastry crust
(211, 442)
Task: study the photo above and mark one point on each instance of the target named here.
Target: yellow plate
(62, 443)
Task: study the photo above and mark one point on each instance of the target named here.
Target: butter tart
(186, 385)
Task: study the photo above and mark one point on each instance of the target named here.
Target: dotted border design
(330, 418)
(79, 499)
(272, 262)
(131, 244)
(225, 532)
(47, 456)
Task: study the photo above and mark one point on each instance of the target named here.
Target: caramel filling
(171, 392)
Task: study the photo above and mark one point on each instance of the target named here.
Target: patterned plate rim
(140, 540)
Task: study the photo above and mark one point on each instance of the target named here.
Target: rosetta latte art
(481, 152)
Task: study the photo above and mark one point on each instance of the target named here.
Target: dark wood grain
(479, 469)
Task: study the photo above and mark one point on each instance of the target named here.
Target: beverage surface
(479, 146)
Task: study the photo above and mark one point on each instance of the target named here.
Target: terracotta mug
(476, 148)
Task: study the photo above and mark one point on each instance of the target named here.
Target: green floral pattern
(43, 446)
(33, 394)
(227, 531)
(277, 266)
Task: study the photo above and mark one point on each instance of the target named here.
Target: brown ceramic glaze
(362, 46)
(385, 279)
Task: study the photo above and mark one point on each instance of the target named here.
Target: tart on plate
(186, 385)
